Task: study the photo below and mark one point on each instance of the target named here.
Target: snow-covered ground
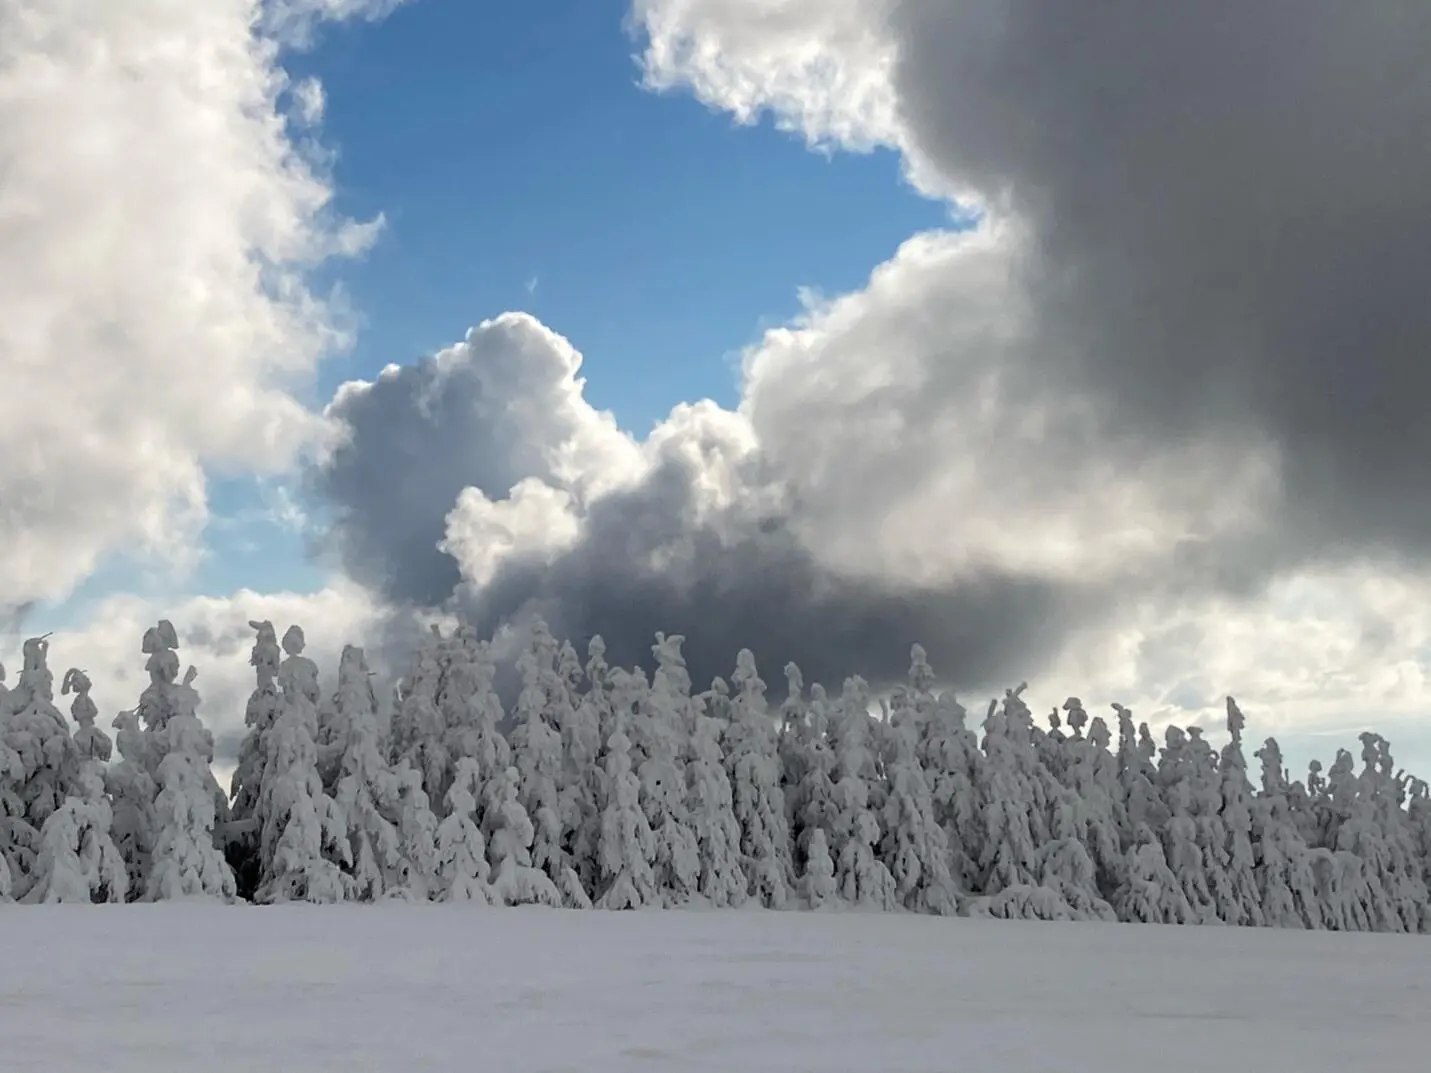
(402, 989)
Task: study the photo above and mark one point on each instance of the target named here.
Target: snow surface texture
(222, 989)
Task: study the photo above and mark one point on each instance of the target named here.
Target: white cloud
(156, 222)
(535, 520)
(1324, 655)
(820, 67)
(293, 21)
(918, 451)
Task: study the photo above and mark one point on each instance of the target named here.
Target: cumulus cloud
(503, 406)
(157, 221)
(1157, 409)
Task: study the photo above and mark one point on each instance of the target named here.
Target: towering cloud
(1178, 356)
(1225, 211)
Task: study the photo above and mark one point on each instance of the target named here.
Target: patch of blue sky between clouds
(520, 165)
(508, 144)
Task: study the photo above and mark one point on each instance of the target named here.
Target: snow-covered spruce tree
(160, 701)
(1286, 878)
(462, 870)
(354, 701)
(132, 792)
(92, 743)
(542, 706)
(1402, 865)
(474, 726)
(1237, 796)
(795, 731)
(669, 718)
(246, 786)
(1418, 814)
(1092, 774)
(417, 837)
(1027, 738)
(1137, 776)
(1018, 850)
(17, 838)
(1342, 892)
(1053, 753)
(949, 754)
(1205, 786)
(38, 734)
(369, 794)
(515, 880)
(1008, 856)
(78, 860)
(303, 840)
(1065, 864)
(459, 681)
(861, 877)
(1177, 779)
(753, 766)
(915, 847)
(810, 780)
(711, 807)
(627, 848)
(1373, 832)
(156, 703)
(419, 730)
(582, 792)
(817, 881)
(1151, 894)
(185, 862)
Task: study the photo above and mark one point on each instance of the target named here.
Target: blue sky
(520, 165)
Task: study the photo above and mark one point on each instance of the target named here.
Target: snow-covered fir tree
(303, 838)
(36, 732)
(711, 807)
(462, 869)
(515, 879)
(354, 700)
(419, 729)
(949, 754)
(1285, 871)
(132, 792)
(246, 785)
(1237, 821)
(669, 721)
(185, 862)
(753, 766)
(915, 847)
(627, 848)
(582, 786)
(861, 877)
(78, 860)
(369, 794)
(543, 706)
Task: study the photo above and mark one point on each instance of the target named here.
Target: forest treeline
(613, 788)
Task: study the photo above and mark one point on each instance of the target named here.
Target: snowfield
(203, 988)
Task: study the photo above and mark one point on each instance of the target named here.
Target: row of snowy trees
(608, 787)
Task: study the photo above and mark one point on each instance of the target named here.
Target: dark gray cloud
(1231, 216)
(648, 562)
